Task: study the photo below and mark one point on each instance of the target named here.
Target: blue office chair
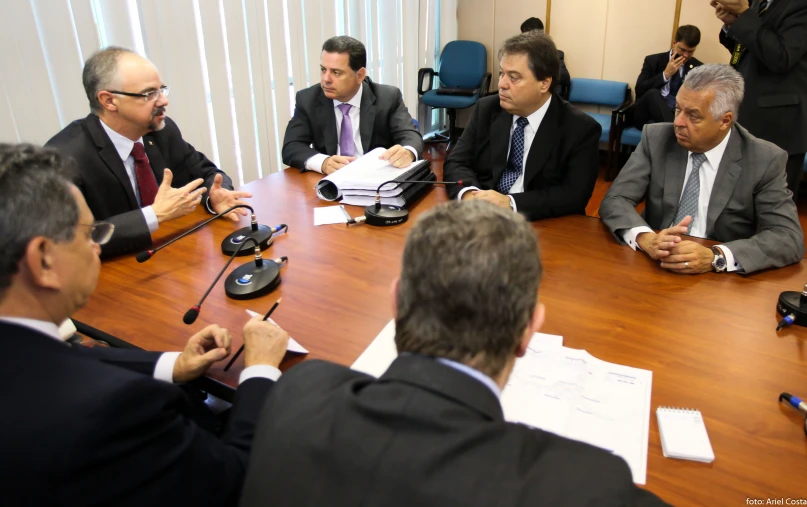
(463, 79)
(602, 93)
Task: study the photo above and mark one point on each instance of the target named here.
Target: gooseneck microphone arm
(147, 254)
(193, 313)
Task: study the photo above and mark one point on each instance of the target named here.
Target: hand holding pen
(265, 343)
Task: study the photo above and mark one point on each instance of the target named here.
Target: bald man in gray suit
(706, 176)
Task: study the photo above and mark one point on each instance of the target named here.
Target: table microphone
(262, 233)
(147, 254)
(792, 306)
(389, 214)
(261, 285)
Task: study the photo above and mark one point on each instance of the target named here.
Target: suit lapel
(367, 116)
(327, 122)
(499, 142)
(110, 156)
(543, 143)
(156, 160)
(727, 175)
(674, 172)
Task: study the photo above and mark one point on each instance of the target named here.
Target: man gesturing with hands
(130, 156)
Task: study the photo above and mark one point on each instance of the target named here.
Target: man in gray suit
(706, 176)
(346, 115)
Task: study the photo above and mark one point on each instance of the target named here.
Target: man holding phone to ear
(662, 76)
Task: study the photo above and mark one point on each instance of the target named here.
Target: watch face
(720, 263)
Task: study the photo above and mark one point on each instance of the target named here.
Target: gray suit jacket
(383, 122)
(750, 209)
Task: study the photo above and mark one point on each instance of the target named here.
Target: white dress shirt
(314, 163)
(123, 145)
(665, 90)
(530, 130)
(707, 175)
(163, 370)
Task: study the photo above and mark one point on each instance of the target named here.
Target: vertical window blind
(234, 66)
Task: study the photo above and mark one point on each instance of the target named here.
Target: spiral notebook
(683, 434)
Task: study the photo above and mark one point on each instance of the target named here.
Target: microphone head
(144, 256)
(190, 315)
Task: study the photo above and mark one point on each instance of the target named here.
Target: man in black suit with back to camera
(102, 426)
(661, 78)
(430, 431)
(526, 148)
(133, 166)
(346, 115)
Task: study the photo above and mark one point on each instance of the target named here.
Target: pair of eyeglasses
(100, 232)
(147, 96)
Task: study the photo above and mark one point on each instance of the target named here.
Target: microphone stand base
(263, 236)
(250, 281)
(386, 215)
(790, 303)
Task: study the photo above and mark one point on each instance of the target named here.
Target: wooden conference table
(710, 340)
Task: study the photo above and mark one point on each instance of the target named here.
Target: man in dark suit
(768, 42)
(564, 80)
(130, 155)
(101, 426)
(708, 177)
(430, 431)
(661, 78)
(527, 149)
(346, 115)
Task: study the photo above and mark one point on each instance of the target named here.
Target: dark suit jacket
(750, 209)
(383, 122)
(560, 170)
(92, 427)
(105, 184)
(423, 434)
(653, 67)
(775, 70)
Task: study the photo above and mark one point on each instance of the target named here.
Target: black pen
(265, 317)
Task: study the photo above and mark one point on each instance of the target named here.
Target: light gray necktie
(692, 191)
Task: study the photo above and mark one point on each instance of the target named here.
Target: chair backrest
(463, 64)
(597, 91)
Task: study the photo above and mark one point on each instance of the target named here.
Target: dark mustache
(158, 112)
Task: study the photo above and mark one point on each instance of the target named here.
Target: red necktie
(146, 182)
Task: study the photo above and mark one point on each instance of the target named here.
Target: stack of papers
(356, 183)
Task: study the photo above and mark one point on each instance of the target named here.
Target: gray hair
(35, 200)
(99, 71)
(726, 82)
(469, 285)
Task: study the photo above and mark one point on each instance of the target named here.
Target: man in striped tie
(133, 166)
(706, 176)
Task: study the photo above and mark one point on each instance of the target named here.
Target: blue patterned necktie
(516, 159)
(692, 192)
(763, 6)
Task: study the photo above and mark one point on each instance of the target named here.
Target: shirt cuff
(630, 236)
(731, 264)
(414, 152)
(664, 77)
(208, 207)
(459, 196)
(151, 219)
(512, 203)
(315, 162)
(259, 371)
(164, 369)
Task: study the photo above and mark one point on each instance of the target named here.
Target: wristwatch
(719, 262)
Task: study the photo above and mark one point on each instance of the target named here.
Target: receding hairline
(130, 65)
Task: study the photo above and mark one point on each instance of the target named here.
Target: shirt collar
(123, 145)
(47, 328)
(355, 101)
(472, 372)
(715, 155)
(536, 117)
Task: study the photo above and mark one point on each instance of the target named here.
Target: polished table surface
(710, 340)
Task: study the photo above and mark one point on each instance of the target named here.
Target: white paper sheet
(293, 346)
(330, 215)
(365, 173)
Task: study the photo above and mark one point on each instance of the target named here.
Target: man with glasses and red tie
(134, 168)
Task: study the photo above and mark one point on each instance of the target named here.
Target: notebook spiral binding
(679, 410)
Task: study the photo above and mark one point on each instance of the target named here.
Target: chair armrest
(421, 74)
(485, 88)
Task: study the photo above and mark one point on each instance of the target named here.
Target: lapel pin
(151, 143)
